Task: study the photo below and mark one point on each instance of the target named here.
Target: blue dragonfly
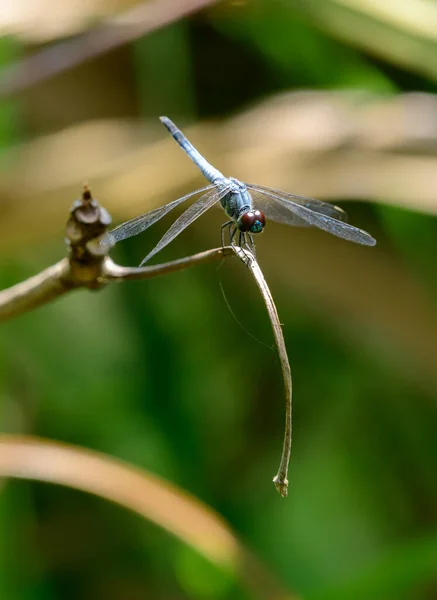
(242, 203)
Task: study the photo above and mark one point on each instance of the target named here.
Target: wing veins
(142, 222)
(324, 222)
(318, 205)
(191, 214)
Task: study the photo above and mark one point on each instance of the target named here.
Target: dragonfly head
(252, 221)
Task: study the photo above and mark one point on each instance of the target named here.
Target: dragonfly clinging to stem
(248, 206)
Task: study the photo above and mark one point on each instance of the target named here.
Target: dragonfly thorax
(237, 200)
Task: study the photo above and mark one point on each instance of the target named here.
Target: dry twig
(89, 266)
(281, 478)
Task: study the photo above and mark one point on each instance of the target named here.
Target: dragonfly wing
(191, 214)
(142, 222)
(275, 211)
(318, 219)
(282, 215)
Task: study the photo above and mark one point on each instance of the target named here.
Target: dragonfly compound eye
(252, 220)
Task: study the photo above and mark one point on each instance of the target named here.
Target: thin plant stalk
(281, 478)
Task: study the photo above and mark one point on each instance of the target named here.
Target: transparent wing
(279, 213)
(191, 214)
(274, 211)
(271, 202)
(142, 222)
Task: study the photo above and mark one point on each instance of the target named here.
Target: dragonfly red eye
(252, 220)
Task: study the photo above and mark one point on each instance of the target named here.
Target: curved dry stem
(280, 480)
(113, 272)
(159, 501)
(39, 289)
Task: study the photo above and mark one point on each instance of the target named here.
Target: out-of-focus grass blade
(184, 516)
(172, 509)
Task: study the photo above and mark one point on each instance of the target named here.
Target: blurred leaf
(42, 20)
(403, 33)
(303, 54)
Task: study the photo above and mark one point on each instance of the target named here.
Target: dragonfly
(248, 207)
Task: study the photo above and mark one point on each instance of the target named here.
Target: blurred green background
(312, 97)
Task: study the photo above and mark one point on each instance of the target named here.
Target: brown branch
(58, 279)
(110, 34)
(37, 290)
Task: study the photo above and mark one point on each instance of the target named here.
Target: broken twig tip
(281, 485)
(86, 193)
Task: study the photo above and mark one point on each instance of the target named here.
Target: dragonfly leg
(252, 244)
(228, 224)
(242, 242)
(232, 235)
